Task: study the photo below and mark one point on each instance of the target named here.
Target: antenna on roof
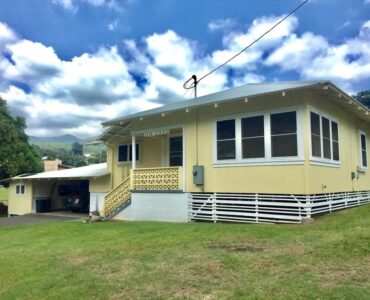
(194, 77)
(194, 84)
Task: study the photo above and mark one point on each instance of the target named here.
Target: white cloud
(248, 78)
(7, 35)
(66, 4)
(313, 57)
(72, 5)
(31, 61)
(297, 52)
(367, 2)
(221, 24)
(74, 96)
(112, 4)
(113, 25)
(234, 42)
(174, 60)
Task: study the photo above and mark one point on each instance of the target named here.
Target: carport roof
(81, 172)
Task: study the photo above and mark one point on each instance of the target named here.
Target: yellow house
(267, 152)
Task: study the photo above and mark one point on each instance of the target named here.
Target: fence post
(358, 198)
(214, 209)
(308, 206)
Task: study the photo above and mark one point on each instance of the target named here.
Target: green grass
(329, 259)
(4, 196)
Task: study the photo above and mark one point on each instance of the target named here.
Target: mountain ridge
(64, 139)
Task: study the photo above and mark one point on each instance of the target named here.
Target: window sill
(324, 163)
(361, 169)
(274, 162)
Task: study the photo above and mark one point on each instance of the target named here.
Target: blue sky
(67, 65)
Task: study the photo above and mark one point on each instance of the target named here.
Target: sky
(68, 65)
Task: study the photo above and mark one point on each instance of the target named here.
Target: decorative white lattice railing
(269, 208)
(157, 179)
(117, 197)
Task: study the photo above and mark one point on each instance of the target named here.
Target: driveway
(35, 219)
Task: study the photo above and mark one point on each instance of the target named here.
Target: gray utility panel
(198, 175)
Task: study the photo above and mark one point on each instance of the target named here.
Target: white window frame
(268, 159)
(20, 189)
(128, 154)
(361, 166)
(314, 160)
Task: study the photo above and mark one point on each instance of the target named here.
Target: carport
(75, 189)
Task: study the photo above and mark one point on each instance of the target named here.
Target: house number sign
(156, 132)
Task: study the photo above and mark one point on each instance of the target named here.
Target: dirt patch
(236, 247)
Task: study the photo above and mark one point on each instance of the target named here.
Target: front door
(175, 151)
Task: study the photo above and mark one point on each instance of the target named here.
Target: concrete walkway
(36, 219)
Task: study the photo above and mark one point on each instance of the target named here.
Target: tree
(17, 156)
(77, 149)
(363, 97)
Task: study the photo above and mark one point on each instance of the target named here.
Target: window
(363, 151)
(284, 134)
(261, 138)
(324, 138)
(226, 140)
(125, 153)
(176, 151)
(253, 137)
(20, 189)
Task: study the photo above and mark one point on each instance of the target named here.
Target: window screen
(226, 140)
(284, 134)
(176, 151)
(363, 150)
(324, 137)
(125, 152)
(315, 135)
(253, 137)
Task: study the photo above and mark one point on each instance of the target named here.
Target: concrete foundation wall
(169, 207)
(96, 201)
(124, 215)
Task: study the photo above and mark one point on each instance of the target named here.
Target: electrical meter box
(198, 175)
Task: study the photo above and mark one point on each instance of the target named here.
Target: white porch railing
(269, 208)
(157, 179)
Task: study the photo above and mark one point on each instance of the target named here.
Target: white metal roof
(247, 90)
(81, 172)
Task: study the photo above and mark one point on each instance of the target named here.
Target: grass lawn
(139, 260)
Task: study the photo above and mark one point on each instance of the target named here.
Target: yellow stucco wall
(20, 204)
(302, 177)
(151, 156)
(323, 179)
(99, 184)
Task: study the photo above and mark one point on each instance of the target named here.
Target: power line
(195, 82)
